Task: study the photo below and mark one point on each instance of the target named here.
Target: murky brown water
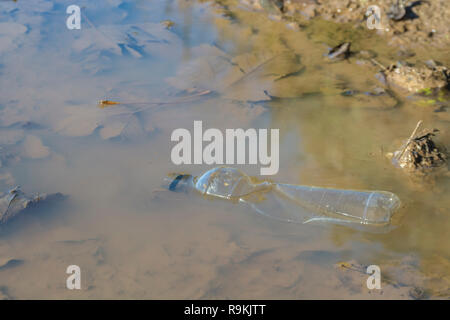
(132, 241)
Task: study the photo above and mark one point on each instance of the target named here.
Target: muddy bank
(411, 24)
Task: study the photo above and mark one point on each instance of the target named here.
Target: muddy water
(133, 240)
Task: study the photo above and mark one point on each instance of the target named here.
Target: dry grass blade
(108, 103)
(405, 146)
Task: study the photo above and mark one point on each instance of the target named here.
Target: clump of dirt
(415, 78)
(420, 152)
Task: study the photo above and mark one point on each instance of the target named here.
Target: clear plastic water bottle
(294, 203)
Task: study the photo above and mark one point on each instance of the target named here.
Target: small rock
(397, 11)
(413, 79)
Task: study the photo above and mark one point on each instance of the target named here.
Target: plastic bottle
(294, 203)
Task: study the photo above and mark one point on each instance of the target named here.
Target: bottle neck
(179, 182)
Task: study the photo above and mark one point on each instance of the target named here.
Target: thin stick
(96, 29)
(410, 139)
(378, 64)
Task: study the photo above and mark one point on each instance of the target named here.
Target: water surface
(132, 240)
